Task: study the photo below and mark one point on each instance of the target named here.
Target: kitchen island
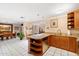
(38, 44)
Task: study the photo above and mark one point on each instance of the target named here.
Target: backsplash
(74, 32)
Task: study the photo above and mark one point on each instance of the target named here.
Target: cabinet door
(49, 40)
(76, 20)
(64, 42)
(52, 41)
(55, 41)
(72, 44)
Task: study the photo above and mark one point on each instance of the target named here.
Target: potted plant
(20, 35)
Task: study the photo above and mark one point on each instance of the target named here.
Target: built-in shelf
(36, 44)
(73, 20)
(70, 20)
(36, 47)
(35, 52)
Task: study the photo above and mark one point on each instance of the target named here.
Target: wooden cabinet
(59, 42)
(72, 44)
(73, 20)
(63, 42)
(76, 19)
(49, 40)
(53, 41)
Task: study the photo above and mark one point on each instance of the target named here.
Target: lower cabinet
(49, 40)
(63, 42)
(72, 44)
(55, 41)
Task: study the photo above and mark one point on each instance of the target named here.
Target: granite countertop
(38, 36)
(46, 34)
(63, 34)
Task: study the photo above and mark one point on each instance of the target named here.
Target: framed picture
(54, 23)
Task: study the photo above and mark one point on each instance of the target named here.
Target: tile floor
(16, 47)
(52, 51)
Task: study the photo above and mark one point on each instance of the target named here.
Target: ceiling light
(22, 17)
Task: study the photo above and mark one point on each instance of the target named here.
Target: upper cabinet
(76, 19)
(73, 20)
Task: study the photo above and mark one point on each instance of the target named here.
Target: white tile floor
(52, 51)
(16, 47)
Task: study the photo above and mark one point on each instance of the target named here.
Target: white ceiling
(11, 12)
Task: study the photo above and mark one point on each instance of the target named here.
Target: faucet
(59, 31)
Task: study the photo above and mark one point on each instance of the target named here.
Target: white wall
(62, 24)
(29, 25)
